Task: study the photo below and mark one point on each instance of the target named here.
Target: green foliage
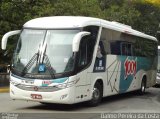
(124, 14)
(143, 15)
(14, 13)
(149, 17)
(78, 8)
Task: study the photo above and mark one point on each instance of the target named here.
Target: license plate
(36, 96)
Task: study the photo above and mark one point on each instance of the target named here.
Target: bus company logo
(130, 67)
(35, 88)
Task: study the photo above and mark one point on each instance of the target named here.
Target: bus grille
(37, 88)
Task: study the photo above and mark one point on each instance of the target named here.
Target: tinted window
(118, 43)
(126, 49)
(87, 45)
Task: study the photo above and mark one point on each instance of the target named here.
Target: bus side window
(83, 52)
(123, 49)
(101, 44)
(126, 49)
(87, 46)
(115, 48)
(129, 49)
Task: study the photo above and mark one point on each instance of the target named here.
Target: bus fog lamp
(14, 82)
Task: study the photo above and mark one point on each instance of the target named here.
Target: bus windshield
(40, 51)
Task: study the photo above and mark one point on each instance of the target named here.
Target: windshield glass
(44, 51)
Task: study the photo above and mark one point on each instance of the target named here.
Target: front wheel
(96, 95)
(45, 103)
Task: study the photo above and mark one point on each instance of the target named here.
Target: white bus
(71, 59)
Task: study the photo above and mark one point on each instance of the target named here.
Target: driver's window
(83, 52)
(87, 45)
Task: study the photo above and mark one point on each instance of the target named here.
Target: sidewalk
(4, 89)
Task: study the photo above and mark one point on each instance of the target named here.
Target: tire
(96, 95)
(143, 87)
(45, 103)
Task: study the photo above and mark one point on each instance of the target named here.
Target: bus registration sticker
(36, 96)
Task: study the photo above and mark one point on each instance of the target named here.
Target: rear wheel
(143, 87)
(96, 95)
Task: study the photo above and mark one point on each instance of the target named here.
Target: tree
(14, 13)
(78, 8)
(149, 17)
(154, 2)
(126, 14)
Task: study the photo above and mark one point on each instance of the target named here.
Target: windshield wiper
(49, 67)
(39, 58)
(30, 64)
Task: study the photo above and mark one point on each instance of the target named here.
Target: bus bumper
(63, 96)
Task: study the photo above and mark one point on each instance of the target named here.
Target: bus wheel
(96, 95)
(143, 87)
(45, 103)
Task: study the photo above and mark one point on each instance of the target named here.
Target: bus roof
(63, 22)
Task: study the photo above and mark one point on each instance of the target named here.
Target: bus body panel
(82, 87)
(122, 76)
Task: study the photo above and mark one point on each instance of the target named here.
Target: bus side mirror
(6, 36)
(76, 40)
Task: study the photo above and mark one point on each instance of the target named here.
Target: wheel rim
(143, 87)
(96, 94)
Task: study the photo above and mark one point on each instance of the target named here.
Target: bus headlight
(61, 86)
(67, 85)
(14, 83)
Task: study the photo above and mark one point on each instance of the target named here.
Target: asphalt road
(124, 103)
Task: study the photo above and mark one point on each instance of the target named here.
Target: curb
(4, 89)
